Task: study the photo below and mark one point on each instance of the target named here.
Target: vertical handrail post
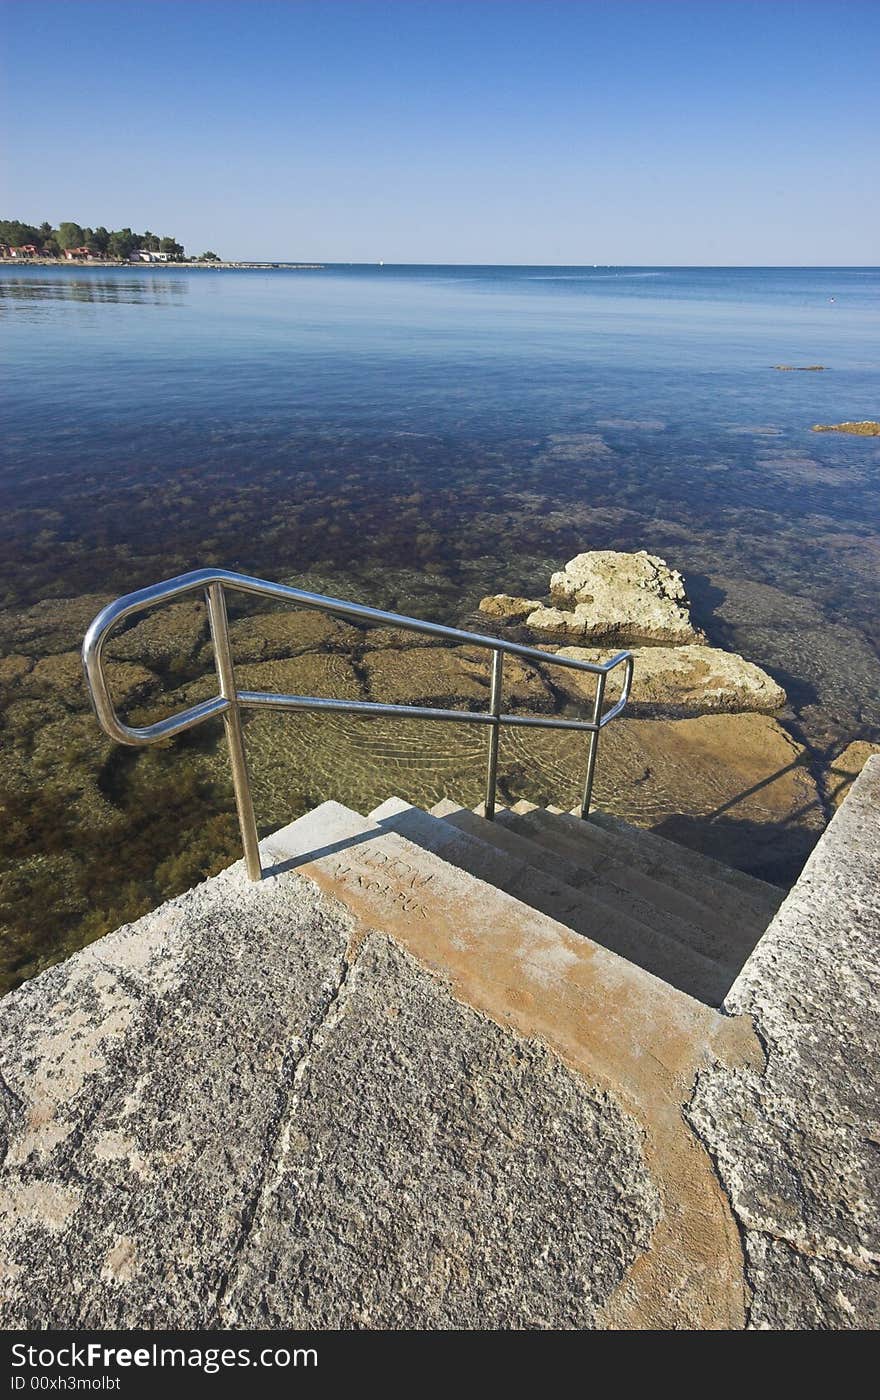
(594, 744)
(494, 731)
(241, 783)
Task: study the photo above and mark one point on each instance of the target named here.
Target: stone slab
(440, 1172)
(143, 1083)
(797, 1145)
(624, 1030)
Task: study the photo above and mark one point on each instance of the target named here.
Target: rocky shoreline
(183, 264)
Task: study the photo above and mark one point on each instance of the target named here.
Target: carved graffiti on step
(395, 880)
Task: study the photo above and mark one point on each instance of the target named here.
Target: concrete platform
(376, 1091)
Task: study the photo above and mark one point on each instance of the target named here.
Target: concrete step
(711, 925)
(752, 900)
(571, 869)
(674, 961)
(498, 834)
(765, 898)
(493, 949)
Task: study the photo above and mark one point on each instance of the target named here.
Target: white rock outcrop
(605, 593)
(686, 680)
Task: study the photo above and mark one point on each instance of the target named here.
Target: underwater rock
(399, 638)
(55, 624)
(736, 787)
(803, 640)
(687, 680)
(62, 675)
(325, 673)
(268, 636)
(169, 635)
(630, 597)
(450, 679)
(507, 607)
(13, 667)
(844, 769)
(866, 428)
(574, 447)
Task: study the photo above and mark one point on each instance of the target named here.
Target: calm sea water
(412, 438)
(421, 435)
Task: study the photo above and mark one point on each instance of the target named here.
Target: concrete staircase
(433, 1072)
(681, 916)
(686, 918)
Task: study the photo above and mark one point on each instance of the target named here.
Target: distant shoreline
(183, 265)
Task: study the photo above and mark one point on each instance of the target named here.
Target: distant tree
(209, 257)
(122, 243)
(70, 236)
(15, 233)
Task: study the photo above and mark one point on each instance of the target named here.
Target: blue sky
(590, 131)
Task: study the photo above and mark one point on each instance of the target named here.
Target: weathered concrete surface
(254, 1108)
(679, 681)
(625, 596)
(598, 906)
(144, 1082)
(798, 1146)
(248, 1109)
(703, 921)
(626, 1032)
(440, 1171)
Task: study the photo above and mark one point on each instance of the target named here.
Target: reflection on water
(413, 439)
(124, 288)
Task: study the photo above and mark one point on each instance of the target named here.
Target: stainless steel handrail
(231, 701)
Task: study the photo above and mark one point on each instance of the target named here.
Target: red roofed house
(72, 254)
(27, 250)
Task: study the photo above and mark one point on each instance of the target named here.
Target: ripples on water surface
(414, 438)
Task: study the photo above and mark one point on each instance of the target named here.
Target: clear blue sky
(625, 131)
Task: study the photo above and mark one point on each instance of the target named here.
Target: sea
(415, 437)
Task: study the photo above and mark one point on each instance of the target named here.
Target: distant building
(27, 250)
(76, 254)
(144, 255)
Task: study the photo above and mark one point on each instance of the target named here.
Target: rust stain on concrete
(608, 1020)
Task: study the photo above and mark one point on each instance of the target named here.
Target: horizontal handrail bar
(114, 613)
(272, 700)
